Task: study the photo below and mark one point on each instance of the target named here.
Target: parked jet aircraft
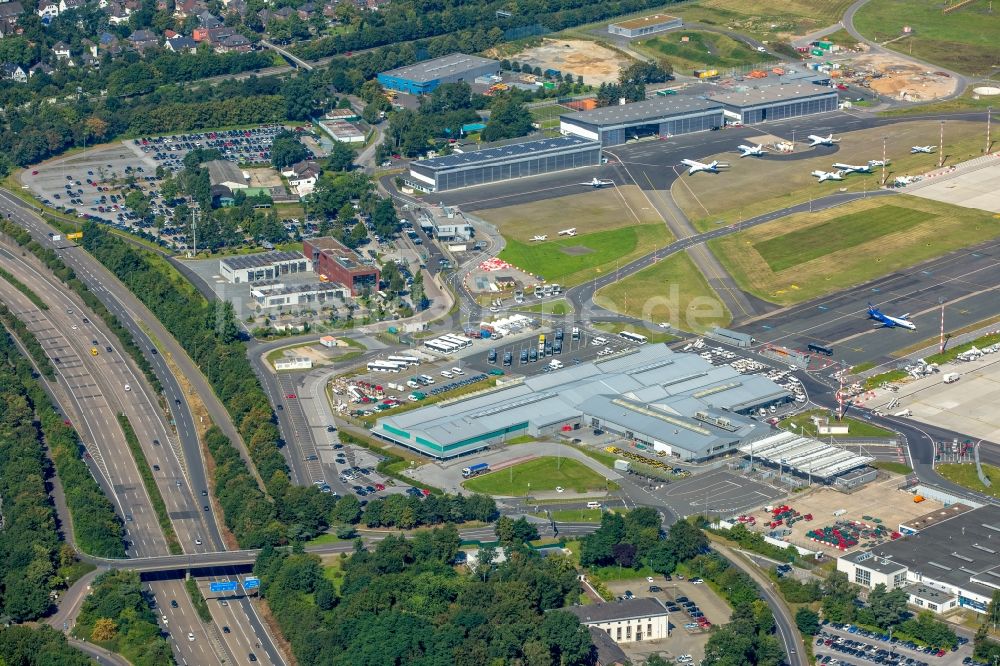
(597, 182)
(885, 321)
(828, 175)
(711, 167)
(878, 163)
(822, 141)
(922, 149)
(539, 238)
(568, 232)
(853, 168)
(752, 151)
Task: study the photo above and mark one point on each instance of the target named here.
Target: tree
(509, 118)
(286, 150)
(888, 608)
(993, 610)
(838, 598)
(105, 629)
(569, 639)
(807, 621)
(341, 157)
(641, 72)
(347, 510)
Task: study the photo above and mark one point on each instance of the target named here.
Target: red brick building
(335, 262)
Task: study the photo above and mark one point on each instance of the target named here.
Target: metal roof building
(423, 77)
(645, 25)
(262, 266)
(676, 403)
(614, 125)
(224, 172)
(805, 455)
(758, 105)
(515, 160)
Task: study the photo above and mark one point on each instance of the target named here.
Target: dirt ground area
(265, 177)
(904, 80)
(881, 500)
(595, 63)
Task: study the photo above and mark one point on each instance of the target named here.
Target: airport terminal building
(517, 160)
(676, 403)
(660, 116)
(423, 77)
(760, 105)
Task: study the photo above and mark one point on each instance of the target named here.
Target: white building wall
(576, 130)
(634, 630)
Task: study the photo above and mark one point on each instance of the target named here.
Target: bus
(820, 349)
(440, 347)
(407, 360)
(384, 366)
(633, 337)
(461, 343)
(475, 470)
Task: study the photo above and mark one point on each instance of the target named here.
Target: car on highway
(252, 657)
(128, 388)
(225, 629)
(290, 396)
(190, 636)
(206, 508)
(204, 493)
(156, 468)
(197, 542)
(128, 517)
(173, 603)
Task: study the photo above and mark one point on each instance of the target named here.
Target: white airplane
(853, 168)
(886, 321)
(752, 151)
(828, 175)
(878, 163)
(711, 167)
(568, 232)
(539, 238)
(822, 140)
(903, 181)
(922, 149)
(597, 182)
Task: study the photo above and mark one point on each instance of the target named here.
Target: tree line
(404, 602)
(38, 646)
(210, 335)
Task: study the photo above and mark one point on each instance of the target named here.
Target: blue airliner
(890, 322)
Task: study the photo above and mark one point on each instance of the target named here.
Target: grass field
(539, 475)
(671, 290)
(654, 336)
(547, 116)
(577, 515)
(789, 181)
(944, 228)
(966, 40)
(856, 427)
(556, 307)
(965, 476)
(894, 467)
(845, 231)
(703, 49)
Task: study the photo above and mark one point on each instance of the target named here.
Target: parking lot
(719, 492)
(851, 646)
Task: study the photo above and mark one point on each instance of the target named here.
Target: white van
(593, 505)
(457, 371)
(446, 374)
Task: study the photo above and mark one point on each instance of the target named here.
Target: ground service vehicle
(475, 470)
(819, 349)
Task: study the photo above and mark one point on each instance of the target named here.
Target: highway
(177, 453)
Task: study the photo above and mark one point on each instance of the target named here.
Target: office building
(336, 262)
(626, 620)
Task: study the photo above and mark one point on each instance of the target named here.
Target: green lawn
(856, 427)
(894, 467)
(964, 474)
(556, 307)
(802, 245)
(539, 475)
(966, 40)
(653, 335)
(576, 515)
(334, 573)
(558, 259)
(672, 290)
(547, 116)
(702, 50)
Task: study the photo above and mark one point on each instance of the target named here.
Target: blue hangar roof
(510, 151)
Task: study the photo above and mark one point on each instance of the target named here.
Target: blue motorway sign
(251, 583)
(223, 586)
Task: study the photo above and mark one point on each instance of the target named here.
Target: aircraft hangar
(659, 116)
(758, 105)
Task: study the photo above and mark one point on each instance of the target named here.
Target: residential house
(62, 53)
(143, 39)
(209, 20)
(40, 68)
(109, 43)
(302, 176)
(238, 7)
(211, 35)
(306, 10)
(89, 47)
(9, 15)
(48, 10)
(12, 72)
(236, 43)
(67, 5)
(283, 13)
(181, 44)
(185, 8)
(90, 60)
(117, 13)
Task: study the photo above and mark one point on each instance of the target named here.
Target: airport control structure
(676, 403)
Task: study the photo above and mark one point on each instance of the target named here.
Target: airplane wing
(904, 316)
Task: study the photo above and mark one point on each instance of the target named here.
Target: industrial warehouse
(645, 25)
(660, 116)
(676, 403)
(263, 266)
(423, 77)
(946, 560)
(517, 160)
(778, 102)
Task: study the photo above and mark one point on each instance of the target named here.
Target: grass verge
(964, 474)
(556, 307)
(888, 377)
(155, 497)
(539, 475)
(198, 599)
(891, 466)
(701, 49)
(653, 336)
(24, 289)
(856, 428)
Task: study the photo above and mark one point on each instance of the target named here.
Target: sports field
(702, 49)
(612, 225)
(539, 475)
(754, 186)
(966, 39)
(672, 290)
(848, 256)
